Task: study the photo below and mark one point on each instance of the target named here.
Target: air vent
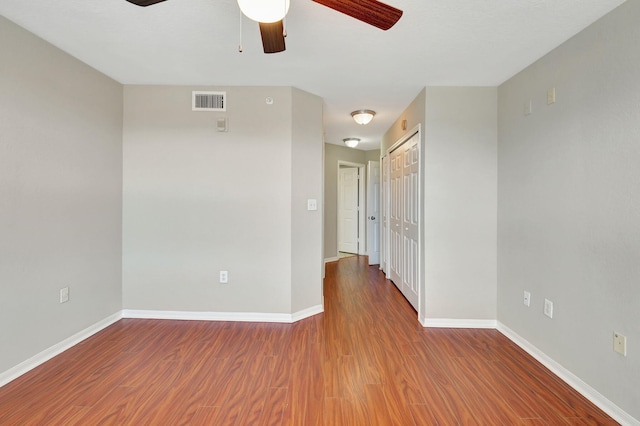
(209, 101)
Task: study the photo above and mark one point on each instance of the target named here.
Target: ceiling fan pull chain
(240, 44)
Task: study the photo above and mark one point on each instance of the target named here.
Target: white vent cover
(208, 101)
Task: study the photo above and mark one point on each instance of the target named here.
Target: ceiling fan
(371, 12)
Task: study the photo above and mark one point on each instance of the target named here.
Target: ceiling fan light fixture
(363, 116)
(351, 142)
(267, 11)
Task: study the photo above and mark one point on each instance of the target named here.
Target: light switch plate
(312, 204)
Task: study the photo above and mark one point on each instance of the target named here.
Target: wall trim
(568, 377)
(458, 323)
(223, 316)
(44, 356)
(331, 259)
(306, 313)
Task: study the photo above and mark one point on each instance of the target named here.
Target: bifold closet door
(410, 220)
(404, 205)
(395, 218)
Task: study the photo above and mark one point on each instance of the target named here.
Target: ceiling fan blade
(144, 2)
(371, 12)
(272, 36)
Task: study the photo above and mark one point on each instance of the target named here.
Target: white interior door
(403, 207)
(410, 220)
(373, 212)
(348, 210)
(395, 218)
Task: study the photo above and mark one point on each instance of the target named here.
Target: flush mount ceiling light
(351, 142)
(363, 116)
(266, 11)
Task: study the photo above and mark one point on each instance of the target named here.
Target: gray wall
(569, 204)
(460, 199)
(459, 166)
(373, 155)
(307, 266)
(333, 154)
(197, 201)
(60, 195)
(414, 114)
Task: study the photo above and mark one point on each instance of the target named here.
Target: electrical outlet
(224, 277)
(551, 96)
(64, 295)
(620, 344)
(527, 298)
(548, 308)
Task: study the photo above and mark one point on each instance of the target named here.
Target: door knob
(372, 218)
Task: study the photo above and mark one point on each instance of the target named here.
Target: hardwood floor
(365, 361)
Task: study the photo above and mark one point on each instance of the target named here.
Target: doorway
(351, 219)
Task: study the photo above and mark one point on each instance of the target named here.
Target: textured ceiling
(349, 64)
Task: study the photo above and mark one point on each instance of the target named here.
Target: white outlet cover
(620, 344)
(551, 96)
(548, 308)
(64, 295)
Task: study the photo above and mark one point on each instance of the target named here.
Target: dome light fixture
(266, 11)
(363, 116)
(351, 142)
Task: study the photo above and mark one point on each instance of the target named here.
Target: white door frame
(384, 213)
(373, 212)
(362, 230)
(421, 282)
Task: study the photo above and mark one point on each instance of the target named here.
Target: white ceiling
(349, 64)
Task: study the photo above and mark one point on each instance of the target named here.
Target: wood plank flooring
(365, 361)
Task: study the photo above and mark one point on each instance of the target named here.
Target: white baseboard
(331, 259)
(47, 354)
(44, 356)
(306, 313)
(222, 316)
(571, 379)
(458, 323)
